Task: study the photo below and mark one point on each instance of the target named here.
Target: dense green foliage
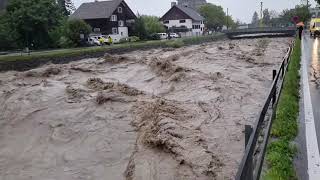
(286, 17)
(73, 29)
(230, 23)
(7, 36)
(215, 17)
(152, 24)
(147, 27)
(40, 24)
(140, 28)
(281, 152)
(31, 20)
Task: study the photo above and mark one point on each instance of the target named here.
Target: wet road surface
(308, 140)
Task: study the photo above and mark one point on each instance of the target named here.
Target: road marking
(311, 136)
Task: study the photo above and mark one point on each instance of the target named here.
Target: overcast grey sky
(239, 9)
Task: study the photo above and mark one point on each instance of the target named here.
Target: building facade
(194, 4)
(183, 20)
(112, 17)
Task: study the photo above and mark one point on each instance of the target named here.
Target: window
(119, 9)
(114, 18)
(182, 21)
(120, 23)
(114, 30)
(165, 22)
(195, 26)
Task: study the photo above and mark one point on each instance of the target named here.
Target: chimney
(173, 4)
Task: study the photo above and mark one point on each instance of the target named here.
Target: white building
(183, 20)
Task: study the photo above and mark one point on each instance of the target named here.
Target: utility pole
(227, 18)
(261, 13)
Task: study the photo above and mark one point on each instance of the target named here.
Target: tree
(7, 35)
(266, 17)
(152, 24)
(66, 6)
(214, 16)
(286, 17)
(139, 28)
(301, 11)
(273, 14)
(31, 20)
(73, 29)
(255, 19)
(229, 22)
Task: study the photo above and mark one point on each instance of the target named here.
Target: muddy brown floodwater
(173, 114)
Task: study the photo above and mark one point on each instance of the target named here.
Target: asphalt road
(308, 161)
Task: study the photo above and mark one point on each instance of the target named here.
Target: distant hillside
(3, 4)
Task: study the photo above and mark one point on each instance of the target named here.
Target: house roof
(193, 14)
(96, 10)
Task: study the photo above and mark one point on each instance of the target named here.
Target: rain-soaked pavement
(308, 161)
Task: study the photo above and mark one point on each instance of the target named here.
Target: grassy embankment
(75, 52)
(281, 150)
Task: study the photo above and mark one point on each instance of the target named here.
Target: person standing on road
(110, 40)
(300, 29)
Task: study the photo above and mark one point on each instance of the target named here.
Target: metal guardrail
(261, 29)
(256, 138)
(263, 32)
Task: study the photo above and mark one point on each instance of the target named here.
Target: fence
(260, 32)
(256, 138)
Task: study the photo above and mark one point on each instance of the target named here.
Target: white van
(163, 35)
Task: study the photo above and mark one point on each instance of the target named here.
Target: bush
(73, 29)
(123, 40)
(175, 44)
(154, 37)
(64, 42)
(7, 35)
(134, 39)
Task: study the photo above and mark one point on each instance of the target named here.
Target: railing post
(248, 175)
(274, 73)
(282, 70)
(274, 91)
(248, 131)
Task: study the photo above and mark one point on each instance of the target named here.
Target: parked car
(93, 41)
(163, 35)
(174, 35)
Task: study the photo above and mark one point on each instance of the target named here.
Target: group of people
(103, 40)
